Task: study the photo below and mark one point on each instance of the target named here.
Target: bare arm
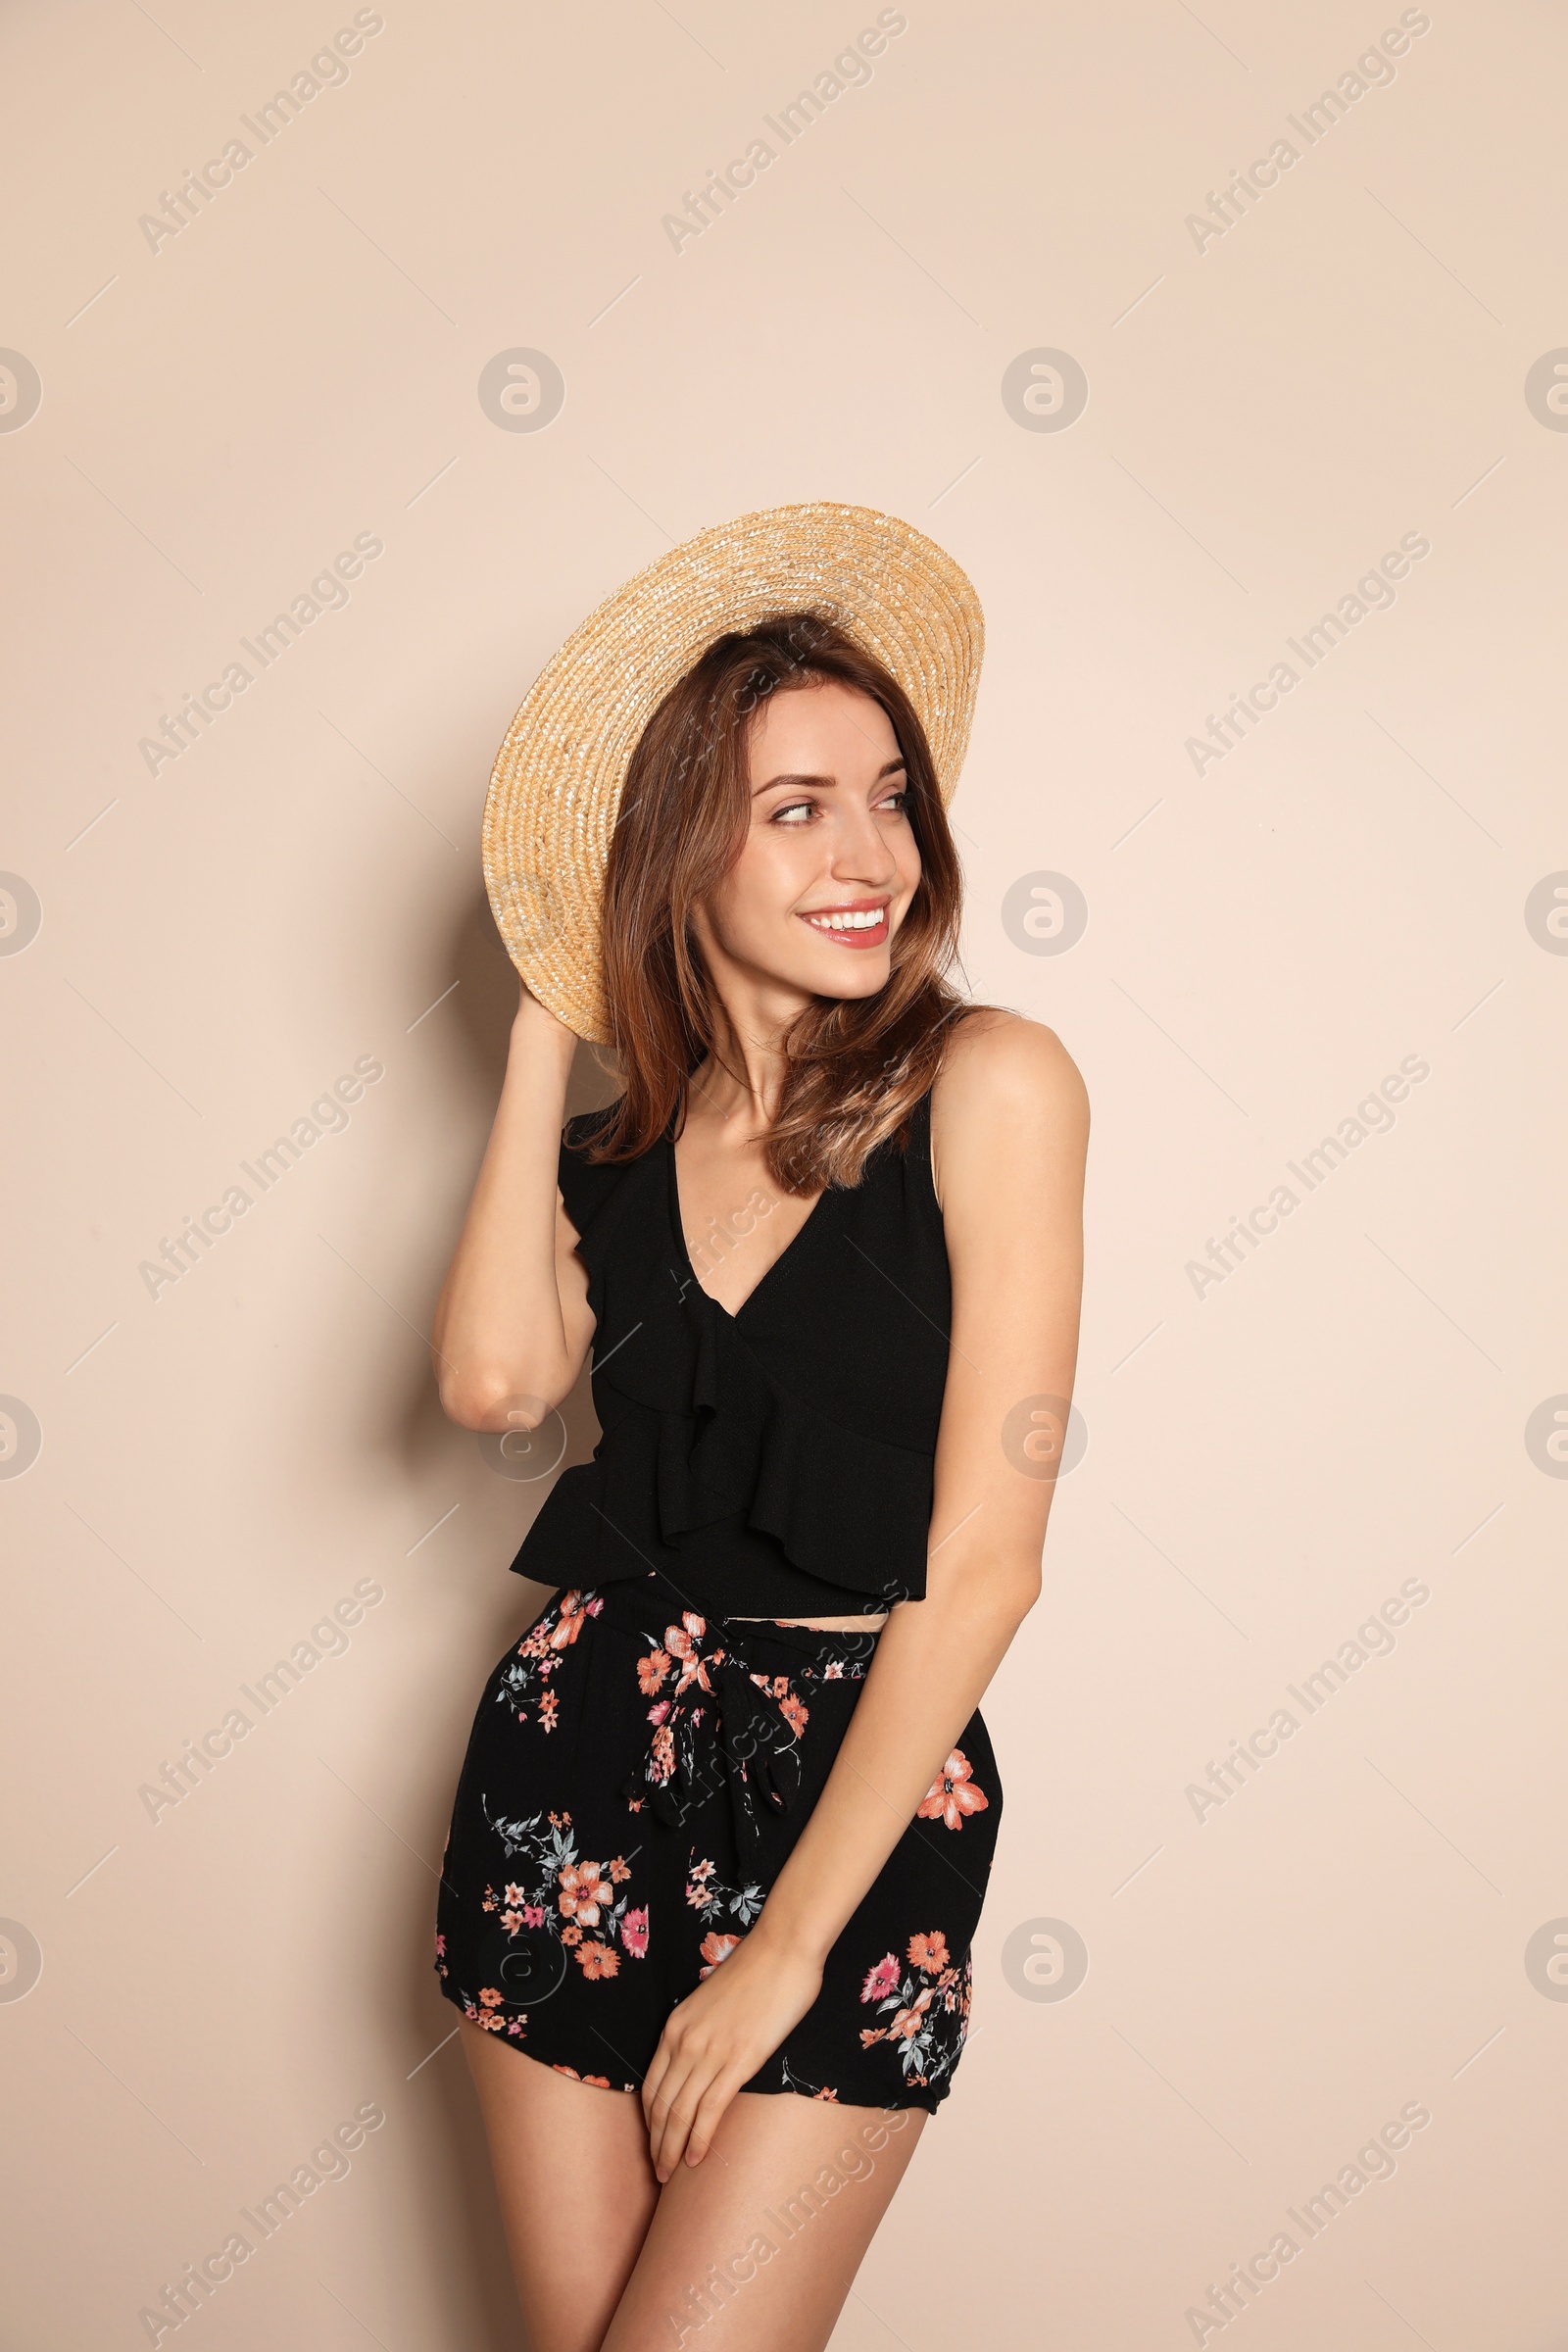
(512, 1325)
(1010, 1130)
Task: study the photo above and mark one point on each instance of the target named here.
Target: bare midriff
(823, 1625)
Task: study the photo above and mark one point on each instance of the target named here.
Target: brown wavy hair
(854, 1068)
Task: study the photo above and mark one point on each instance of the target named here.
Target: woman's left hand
(716, 2039)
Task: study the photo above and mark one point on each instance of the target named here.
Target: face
(829, 864)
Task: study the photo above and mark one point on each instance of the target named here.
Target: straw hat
(557, 778)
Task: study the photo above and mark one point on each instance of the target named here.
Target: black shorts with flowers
(635, 1781)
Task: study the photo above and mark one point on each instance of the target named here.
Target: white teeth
(865, 918)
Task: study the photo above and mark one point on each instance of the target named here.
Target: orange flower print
(954, 1794)
(651, 1670)
(717, 1948)
(490, 1997)
(574, 1612)
(598, 1960)
(684, 1641)
(778, 1687)
(582, 1890)
(572, 1935)
(549, 1709)
(929, 1953)
(663, 1753)
(618, 1870)
(826, 2092)
(908, 2021)
(515, 1898)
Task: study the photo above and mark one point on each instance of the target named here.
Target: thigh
(759, 2245)
(577, 2189)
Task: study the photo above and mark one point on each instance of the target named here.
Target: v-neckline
(678, 1233)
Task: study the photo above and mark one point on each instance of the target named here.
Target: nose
(862, 850)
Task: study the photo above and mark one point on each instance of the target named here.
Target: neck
(743, 1077)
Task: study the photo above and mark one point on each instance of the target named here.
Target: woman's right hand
(533, 1011)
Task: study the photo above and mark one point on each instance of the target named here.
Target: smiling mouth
(854, 926)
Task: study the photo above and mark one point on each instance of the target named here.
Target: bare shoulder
(1009, 1110)
(1002, 1069)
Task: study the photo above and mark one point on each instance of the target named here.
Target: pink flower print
(953, 1794)
(715, 1950)
(533, 1915)
(883, 1980)
(634, 1933)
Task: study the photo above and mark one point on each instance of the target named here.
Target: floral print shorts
(636, 1778)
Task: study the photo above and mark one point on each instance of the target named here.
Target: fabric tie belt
(723, 1729)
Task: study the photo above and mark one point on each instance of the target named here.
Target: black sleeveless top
(775, 1462)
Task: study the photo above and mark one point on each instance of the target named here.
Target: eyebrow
(893, 767)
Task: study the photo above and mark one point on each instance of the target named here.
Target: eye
(896, 801)
(794, 812)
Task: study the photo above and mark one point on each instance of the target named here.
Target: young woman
(726, 1817)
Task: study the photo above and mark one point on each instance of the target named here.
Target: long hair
(854, 1068)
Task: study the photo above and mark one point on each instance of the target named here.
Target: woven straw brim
(557, 783)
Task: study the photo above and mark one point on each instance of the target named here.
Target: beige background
(1266, 1463)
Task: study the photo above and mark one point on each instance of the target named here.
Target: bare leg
(577, 2189)
(759, 2245)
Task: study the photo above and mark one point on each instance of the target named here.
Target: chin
(867, 975)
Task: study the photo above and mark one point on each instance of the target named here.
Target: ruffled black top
(775, 1462)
